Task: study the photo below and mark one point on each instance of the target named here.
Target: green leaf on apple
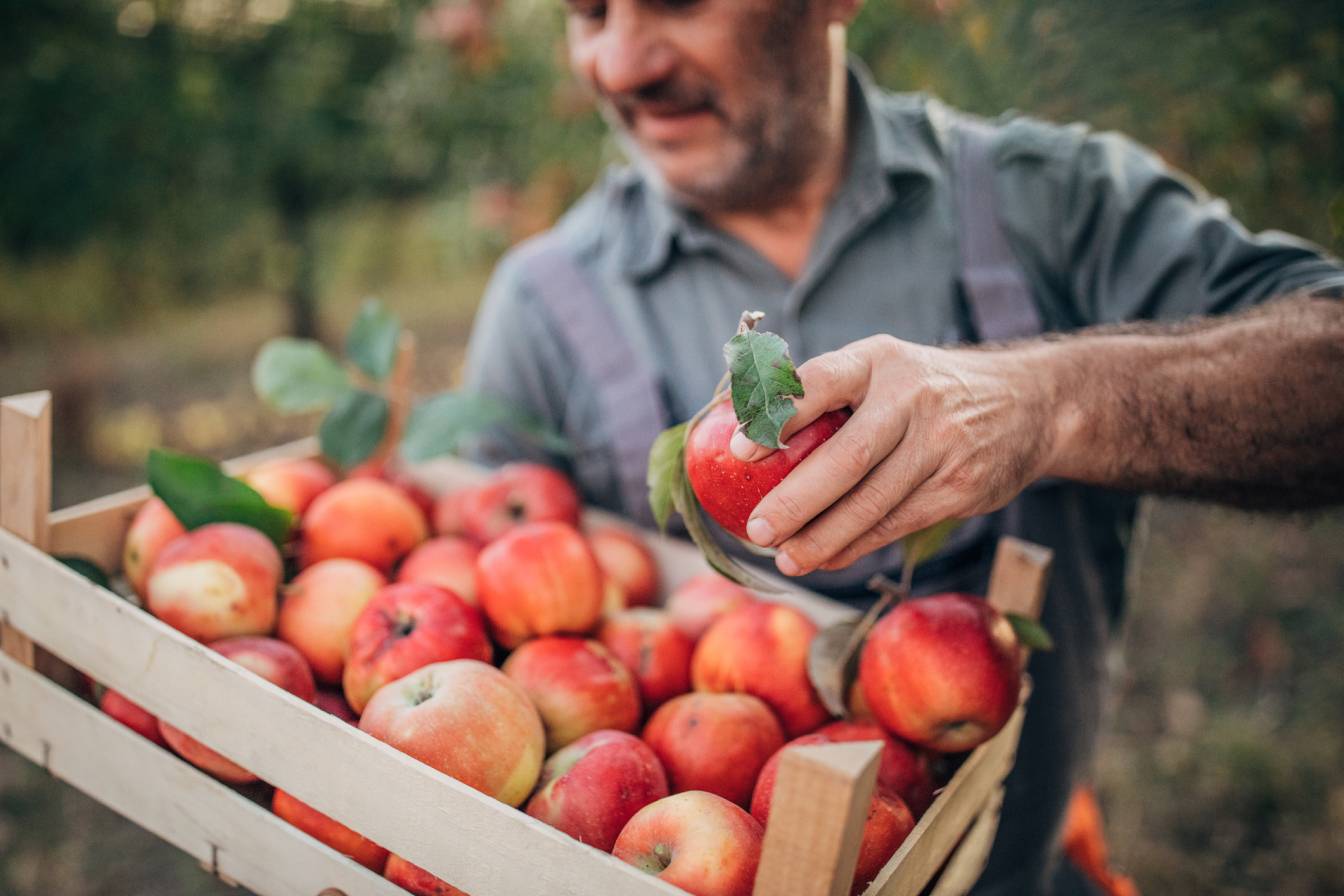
(354, 427)
(763, 384)
(667, 471)
(688, 506)
(88, 569)
(438, 425)
(295, 376)
(198, 492)
(920, 546)
(1030, 633)
(372, 342)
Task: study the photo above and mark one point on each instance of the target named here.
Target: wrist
(1048, 379)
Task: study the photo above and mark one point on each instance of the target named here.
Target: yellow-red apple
(290, 483)
(151, 529)
(319, 610)
(627, 561)
(697, 841)
(466, 719)
(539, 579)
(328, 830)
(714, 742)
(132, 715)
(592, 787)
(216, 581)
(416, 880)
(655, 651)
(518, 494)
(406, 626)
(398, 478)
(577, 685)
(761, 649)
(446, 561)
(697, 602)
(447, 516)
(904, 770)
(361, 519)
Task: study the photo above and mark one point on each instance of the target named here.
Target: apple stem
(749, 320)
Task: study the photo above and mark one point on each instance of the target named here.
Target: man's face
(724, 100)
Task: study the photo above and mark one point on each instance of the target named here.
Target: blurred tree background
(180, 179)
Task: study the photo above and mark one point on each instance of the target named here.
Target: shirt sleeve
(1114, 234)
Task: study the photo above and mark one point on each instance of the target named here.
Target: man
(871, 228)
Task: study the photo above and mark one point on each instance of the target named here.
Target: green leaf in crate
(354, 427)
(88, 569)
(1030, 633)
(764, 384)
(667, 469)
(438, 425)
(689, 507)
(921, 545)
(198, 492)
(372, 343)
(295, 376)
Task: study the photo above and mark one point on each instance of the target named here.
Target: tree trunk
(302, 294)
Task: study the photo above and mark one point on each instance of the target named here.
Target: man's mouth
(666, 123)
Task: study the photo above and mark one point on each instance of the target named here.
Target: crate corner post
(25, 489)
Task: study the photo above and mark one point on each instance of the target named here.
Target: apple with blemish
(216, 581)
(151, 529)
(319, 610)
(592, 787)
(627, 561)
(714, 742)
(328, 830)
(290, 483)
(446, 561)
(539, 579)
(655, 651)
(577, 685)
(696, 603)
(416, 880)
(943, 672)
(361, 519)
(466, 719)
(132, 715)
(697, 841)
(406, 626)
(761, 649)
(271, 659)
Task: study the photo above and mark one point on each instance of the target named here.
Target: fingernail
(760, 531)
(743, 448)
(787, 565)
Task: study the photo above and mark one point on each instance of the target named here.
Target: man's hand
(935, 434)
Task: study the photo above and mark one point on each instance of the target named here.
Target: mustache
(666, 97)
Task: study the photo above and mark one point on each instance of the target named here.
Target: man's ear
(843, 11)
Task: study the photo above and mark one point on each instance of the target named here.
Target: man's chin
(698, 177)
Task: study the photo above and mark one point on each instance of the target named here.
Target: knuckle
(887, 529)
(852, 454)
(807, 550)
(787, 510)
(869, 501)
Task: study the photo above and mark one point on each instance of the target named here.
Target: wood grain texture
(1018, 578)
(25, 490)
(817, 813)
(972, 854)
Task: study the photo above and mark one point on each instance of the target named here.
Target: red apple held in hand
(319, 610)
(697, 841)
(518, 494)
(466, 719)
(406, 626)
(761, 649)
(888, 823)
(626, 560)
(132, 715)
(697, 602)
(444, 561)
(592, 787)
(539, 579)
(943, 672)
(714, 742)
(290, 483)
(216, 581)
(416, 880)
(904, 770)
(361, 519)
(577, 686)
(152, 528)
(729, 489)
(655, 651)
(273, 660)
(328, 830)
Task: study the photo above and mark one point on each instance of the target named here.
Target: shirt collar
(882, 150)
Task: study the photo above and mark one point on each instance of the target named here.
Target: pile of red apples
(487, 635)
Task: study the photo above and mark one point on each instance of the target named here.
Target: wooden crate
(478, 844)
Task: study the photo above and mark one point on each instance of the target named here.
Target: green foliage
(764, 384)
(198, 492)
(298, 375)
(440, 424)
(667, 468)
(354, 427)
(372, 342)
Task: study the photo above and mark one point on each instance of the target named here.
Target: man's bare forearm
(1245, 409)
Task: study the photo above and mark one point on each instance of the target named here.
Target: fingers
(927, 506)
(835, 380)
(828, 474)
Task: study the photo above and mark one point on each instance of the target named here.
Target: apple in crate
(132, 715)
(328, 830)
(904, 770)
(592, 787)
(655, 651)
(714, 742)
(761, 649)
(416, 880)
(696, 603)
(217, 581)
(888, 823)
(398, 478)
(290, 483)
(319, 610)
(151, 529)
(445, 561)
(273, 660)
(539, 579)
(943, 672)
(361, 519)
(627, 561)
(697, 841)
(729, 489)
(334, 703)
(406, 626)
(577, 686)
(466, 719)
(447, 516)
(518, 494)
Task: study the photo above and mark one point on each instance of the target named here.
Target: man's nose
(631, 52)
